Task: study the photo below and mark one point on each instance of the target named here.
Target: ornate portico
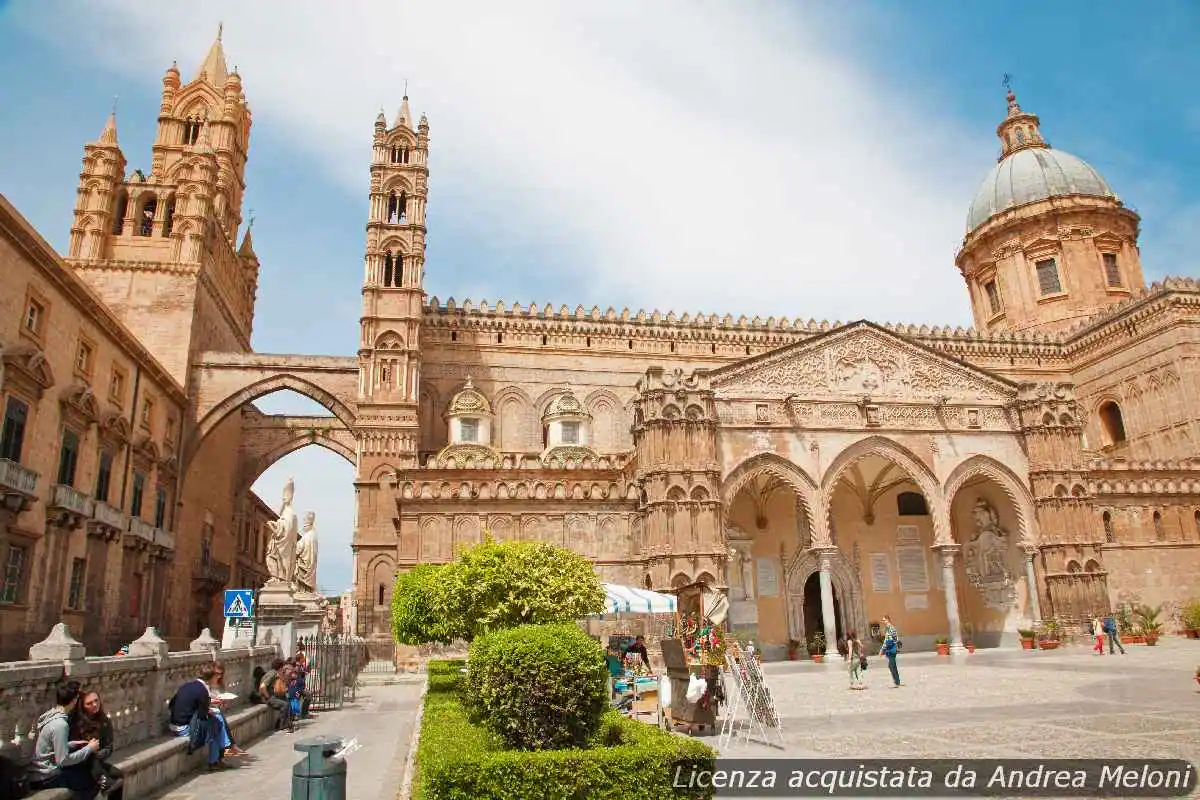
(865, 475)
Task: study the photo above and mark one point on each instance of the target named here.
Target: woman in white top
(1098, 632)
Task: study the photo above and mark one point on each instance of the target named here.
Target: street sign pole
(254, 620)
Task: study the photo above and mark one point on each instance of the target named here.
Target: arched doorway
(813, 620)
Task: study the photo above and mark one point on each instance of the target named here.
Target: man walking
(891, 644)
(1110, 629)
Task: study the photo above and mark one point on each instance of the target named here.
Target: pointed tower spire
(1020, 130)
(108, 136)
(214, 69)
(405, 116)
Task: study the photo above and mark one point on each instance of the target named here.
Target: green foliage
(503, 585)
(1147, 617)
(538, 687)
(1190, 615)
(624, 760)
(1125, 621)
(420, 606)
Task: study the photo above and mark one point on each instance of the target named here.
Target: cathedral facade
(967, 482)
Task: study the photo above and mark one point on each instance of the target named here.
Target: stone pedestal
(277, 617)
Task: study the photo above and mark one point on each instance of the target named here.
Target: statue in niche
(987, 557)
(306, 555)
(281, 544)
(741, 572)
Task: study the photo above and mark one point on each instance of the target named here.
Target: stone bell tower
(161, 248)
(389, 352)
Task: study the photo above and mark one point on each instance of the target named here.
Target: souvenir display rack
(751, 711)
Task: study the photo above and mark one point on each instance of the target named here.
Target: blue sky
(757, 158)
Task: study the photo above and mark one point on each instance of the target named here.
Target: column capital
(947, 547)
(826, 555)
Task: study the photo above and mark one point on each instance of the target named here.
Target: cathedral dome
(1034, 174)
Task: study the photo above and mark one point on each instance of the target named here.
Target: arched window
(1112, 423)
(911, 504)
(1110, 535)
(169, 218)
(119, 214)
(1159, 533)
(191, 128)
(387, 269)
(402, 208)
(381, 590)
(145, 220)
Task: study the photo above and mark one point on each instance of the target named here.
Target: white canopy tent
(631, 600)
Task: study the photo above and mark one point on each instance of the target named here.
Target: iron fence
(335, 662)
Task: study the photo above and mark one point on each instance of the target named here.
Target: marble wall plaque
(743, 612)
(916, 602)
(881, 573)
(912, 568)
(768, 577)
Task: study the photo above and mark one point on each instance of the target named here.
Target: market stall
(634, 684)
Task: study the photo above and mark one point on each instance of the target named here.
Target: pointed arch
(1013, 487)
(799, 481)
(261, 464)
(261, 388)
(514, 420)
(906, 460)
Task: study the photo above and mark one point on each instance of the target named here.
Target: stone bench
(153, 764)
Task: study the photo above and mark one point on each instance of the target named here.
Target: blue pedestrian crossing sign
(239, 603)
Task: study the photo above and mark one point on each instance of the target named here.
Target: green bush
(538, 687)
(420, 606)
(624, 759)
(503, 585)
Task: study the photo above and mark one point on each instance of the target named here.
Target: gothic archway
(847, 588)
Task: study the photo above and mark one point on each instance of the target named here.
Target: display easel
(752, 710)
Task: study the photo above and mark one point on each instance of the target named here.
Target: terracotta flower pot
(1051, 645)
(1027, 644)
(943, 649)
(1193, 633)
(818, 658)
(1152, 639)
(970, 648)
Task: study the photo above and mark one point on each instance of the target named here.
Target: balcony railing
(110, 517)
(17, 478)
(66, 498)
(142, 530)
(164, 538)
(212, 573)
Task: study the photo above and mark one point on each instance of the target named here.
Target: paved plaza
(1066, 703)
(382, 720)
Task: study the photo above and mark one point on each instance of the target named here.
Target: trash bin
(315, 777)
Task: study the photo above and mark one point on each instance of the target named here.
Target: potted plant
(1027, 638)
(793, 649)
(943, 645)
(1190, 617)
(1127, 627)
(968, 631)
(1149, 623)
(1050, 636)
(816, 647)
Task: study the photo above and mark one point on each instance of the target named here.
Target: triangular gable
(857, 360)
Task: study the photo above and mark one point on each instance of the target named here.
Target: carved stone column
(828, 616)
(1035, 605)
(948, 553)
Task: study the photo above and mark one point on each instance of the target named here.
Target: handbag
(862, 662)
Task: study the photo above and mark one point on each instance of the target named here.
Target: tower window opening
(402, 208)
(398, 271)
(399, 155)
(747, 349)
(381, 590)
(1110, 535)
(911, 504)
(191, 130)
(146, 219)
(714, 347)
(388, 268)
(1159, 533)
(1048, 278)
(631, 344)
(169, 218)
(1196, 516)
(589, 341)
(119, 214)
(454, 336)
(993, 296)
(499, 338)
(545, 339)
(1112, 423)
(1112, 270)
(672, 347)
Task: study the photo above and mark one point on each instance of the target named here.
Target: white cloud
(695, 156)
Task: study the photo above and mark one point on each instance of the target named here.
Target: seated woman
(273, 690)
(216, 688)
(191, 717)
(89, 722)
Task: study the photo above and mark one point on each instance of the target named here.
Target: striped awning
(628, 600)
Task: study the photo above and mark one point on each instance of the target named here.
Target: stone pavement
(382, 721)
(1067, 703)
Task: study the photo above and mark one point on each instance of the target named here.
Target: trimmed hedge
(539, 687)
(625, 760)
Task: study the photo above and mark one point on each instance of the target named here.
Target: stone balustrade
(109, 516)
(135, 688)
(18, 478)
(142, 530)
(70, 499)
(164, 538)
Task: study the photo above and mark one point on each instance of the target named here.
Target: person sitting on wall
(273, 690)
(190, 717)
(59, 763)
(90, 722)
(217, 708)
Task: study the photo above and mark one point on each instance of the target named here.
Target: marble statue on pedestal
(281, 546)
(306, 555)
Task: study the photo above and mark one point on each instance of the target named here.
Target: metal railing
(335, 662)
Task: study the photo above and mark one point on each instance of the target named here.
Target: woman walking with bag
(891, 645)
(858, 660)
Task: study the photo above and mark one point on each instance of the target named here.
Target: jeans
(1114, 638)
(77, 777)
(891, 659)
(855, 670)
(214, 739)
